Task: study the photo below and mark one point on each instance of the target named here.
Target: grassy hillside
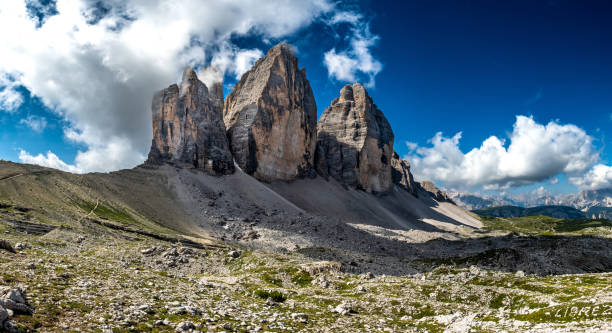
(138, 198)
(546, 225)
(515, 211)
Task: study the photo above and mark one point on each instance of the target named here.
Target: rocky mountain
(470, 201)
(588, 201)
(355, 142)
(271, 118)
(598, 212)
(400, 173)
(188, 243)
(188, 128)
(435, 192)
(561, 212)
(589, 198)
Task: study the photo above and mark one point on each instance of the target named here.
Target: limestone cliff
(355, 142)
(401, 175)
(188, 128)
(271, 118)
(434, 191)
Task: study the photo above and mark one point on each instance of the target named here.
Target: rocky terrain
(96, 278)
(248, 216)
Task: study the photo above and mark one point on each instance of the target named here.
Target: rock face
(435, 192)
(355, 142)
(401, 175)
(188, 128)
(271, 118)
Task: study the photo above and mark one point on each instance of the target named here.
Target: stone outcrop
(271, 118)
(435, 192)
(188, 128)
(355, 142)
(400, 173)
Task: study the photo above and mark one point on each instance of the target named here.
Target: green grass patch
(541, 224)
(272, 279)
(275, 295)
(302, 278)
(108, 212)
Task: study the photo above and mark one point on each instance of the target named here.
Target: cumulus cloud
(600, 176)
(232, 60)
(37, 124)
(97, 63)
(50, 160)
(114, 153)
(10, 98)
(535, 152)
(356, 61)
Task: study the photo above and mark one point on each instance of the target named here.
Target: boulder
(6, 245)
(14, 299)
(271, 118)
(188, 128)
(400, 172)
(355, 142)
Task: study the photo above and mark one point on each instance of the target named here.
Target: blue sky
(468, 67)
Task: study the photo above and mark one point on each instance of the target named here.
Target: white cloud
(535, 152)
(356, 61)
(540, 192)
(345, 17)
(412, 146)
(554, 181)
(232, 60)
(37, 124)
(100, 157)
(50, 160)
(99, 69)
(600, 176)
(10, 99)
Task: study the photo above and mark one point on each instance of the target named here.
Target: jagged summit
(401, 175)
(271, 116)
(188, 129)
(355, 142)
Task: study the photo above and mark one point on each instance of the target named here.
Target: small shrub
(276, 296)
(301, 278)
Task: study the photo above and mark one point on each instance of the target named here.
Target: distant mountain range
(562, 212)
(592, 203)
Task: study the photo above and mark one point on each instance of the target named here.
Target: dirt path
(12, 176)
(90, 212)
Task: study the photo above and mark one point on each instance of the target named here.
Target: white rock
(15, 295)
(344, 308)
(177, 310)
(21, 246)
